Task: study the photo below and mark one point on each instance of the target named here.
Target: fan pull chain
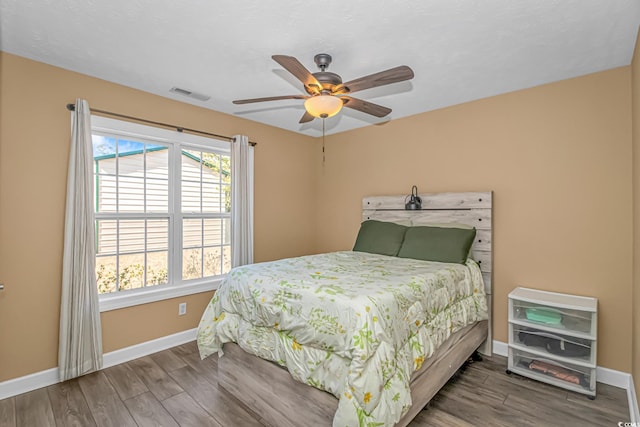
(323, 158)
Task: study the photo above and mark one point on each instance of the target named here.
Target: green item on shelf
(544, 316)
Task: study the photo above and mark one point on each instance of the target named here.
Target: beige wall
(558, 158)
(34, 147)
(635, 111)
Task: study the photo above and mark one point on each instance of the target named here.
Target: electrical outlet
(182, 308)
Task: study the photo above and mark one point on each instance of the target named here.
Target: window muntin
(131, 254)
(162, 210)
(206, 247)
(206, 207)
(206, 182)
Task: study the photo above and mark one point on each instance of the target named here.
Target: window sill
(116, 301)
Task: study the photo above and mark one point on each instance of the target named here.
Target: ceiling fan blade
(365, 106)
(306, 117)
(294, 66)
(270, 98)
(392, 75)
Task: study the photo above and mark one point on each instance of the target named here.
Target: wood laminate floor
(175, 388)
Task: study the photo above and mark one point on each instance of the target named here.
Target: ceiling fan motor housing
(327, 79)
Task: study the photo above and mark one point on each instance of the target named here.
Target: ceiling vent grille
(190, 94)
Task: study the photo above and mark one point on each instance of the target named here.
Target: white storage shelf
(553, 338)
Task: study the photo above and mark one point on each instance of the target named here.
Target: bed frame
(272, 393)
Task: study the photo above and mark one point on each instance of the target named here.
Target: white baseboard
(29, 382)
(612, 377)
(48, 377)
(143, 349)
(500, 348)
(633, 402)
(604, 375)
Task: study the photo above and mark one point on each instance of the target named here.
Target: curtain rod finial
(71, 107)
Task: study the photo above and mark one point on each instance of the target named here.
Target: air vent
(190, 94)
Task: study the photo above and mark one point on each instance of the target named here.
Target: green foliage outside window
(221, 165)
(130, 277)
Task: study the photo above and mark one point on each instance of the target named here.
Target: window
(163, 212)
(206, 207)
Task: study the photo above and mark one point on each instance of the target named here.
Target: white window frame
(176, 286)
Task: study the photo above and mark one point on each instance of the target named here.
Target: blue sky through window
(106, 146)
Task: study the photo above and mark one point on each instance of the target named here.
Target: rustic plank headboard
(473, 208)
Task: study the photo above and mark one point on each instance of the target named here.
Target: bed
(368, 337)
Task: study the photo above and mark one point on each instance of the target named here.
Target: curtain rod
(72, 107)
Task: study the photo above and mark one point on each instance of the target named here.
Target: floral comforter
(354, 324)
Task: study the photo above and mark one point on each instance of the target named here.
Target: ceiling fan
(326, 91)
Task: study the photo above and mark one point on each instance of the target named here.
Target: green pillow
(378, 237)
(437, 244)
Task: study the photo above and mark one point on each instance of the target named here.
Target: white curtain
(241, 201)
(80, 345)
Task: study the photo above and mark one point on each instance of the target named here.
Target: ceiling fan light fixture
(323, 106)
(326, 93)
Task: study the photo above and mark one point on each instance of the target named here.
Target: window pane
(225, 165)
(211, 198)
(106, 274)
(191, 166)
(226, 197)
(210, 167)
(123, 243)
(130, 194)
(212, 261)
(131, 236)
(191, 264)
(157, 268)
(157, 234)
(105, 193)
(157, 162)
(192, 233)
(226, 224)
(226, 259)
(157, 178)
(212, 232)
(106, 237)
(130, 174)
(157, 195)
(191, 194)
(201, 176)
(130, 271)
(107, 165)
(103, 146)
(130, 158)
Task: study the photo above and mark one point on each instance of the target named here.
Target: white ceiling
(460, 50)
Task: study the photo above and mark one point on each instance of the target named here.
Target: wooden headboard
(474, 209)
